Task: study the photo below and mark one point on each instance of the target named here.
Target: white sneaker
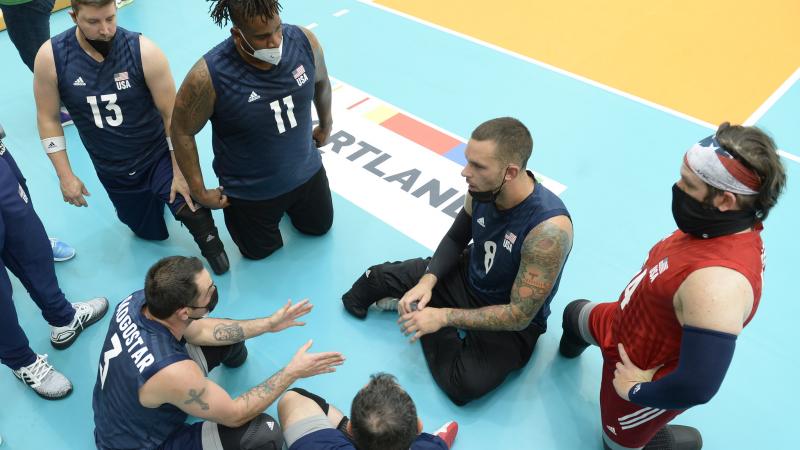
(44, 379)
(86, 313)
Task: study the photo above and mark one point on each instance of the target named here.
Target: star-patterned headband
(717, 167)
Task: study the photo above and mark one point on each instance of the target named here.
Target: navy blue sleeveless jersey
(110, 103)
(261, 124)
(135, 349)
(497, 244)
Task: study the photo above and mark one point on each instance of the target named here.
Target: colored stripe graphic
(420, 133)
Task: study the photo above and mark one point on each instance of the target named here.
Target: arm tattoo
(544, 252)
(231, 333)
(194, 397)
(195, 100)
(268, 391)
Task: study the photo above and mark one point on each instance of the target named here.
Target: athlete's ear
(183, 313)
(726, 201)
(512, 171)
(73, 15)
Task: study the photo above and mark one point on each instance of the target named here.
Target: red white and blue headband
(717, 167)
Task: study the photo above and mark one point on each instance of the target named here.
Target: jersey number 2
(116, 349)
(115, 119)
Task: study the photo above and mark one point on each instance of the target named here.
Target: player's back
(110, 103)
(135, 349)
(645, 321)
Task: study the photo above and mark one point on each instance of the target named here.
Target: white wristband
(169, 144)
(54, 144)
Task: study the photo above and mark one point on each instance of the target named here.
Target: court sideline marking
(751, 120)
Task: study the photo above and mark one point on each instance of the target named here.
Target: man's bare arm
(159, 80)
(322, 83)
(48, 119)
(544, 252)
(194, 105)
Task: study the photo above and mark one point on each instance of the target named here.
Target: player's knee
(465, 388)
(259, 252)
(263, 433)
(150, 234)
(286, 404)
(315, 229)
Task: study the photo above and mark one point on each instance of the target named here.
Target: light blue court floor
(616, 157)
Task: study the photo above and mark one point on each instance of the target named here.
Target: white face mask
(268, 55)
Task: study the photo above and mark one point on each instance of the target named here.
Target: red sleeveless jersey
(644, 319)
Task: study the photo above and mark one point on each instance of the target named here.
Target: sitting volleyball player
(669, 339)
(499, 289)
(154, 364)
(119, 90)
(383, 418)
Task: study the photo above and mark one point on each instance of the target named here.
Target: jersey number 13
(114, 119)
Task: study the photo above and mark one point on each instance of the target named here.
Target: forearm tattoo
(195, 397)
(230, 333)
(267, 391)
(543, 254)
(195, 100)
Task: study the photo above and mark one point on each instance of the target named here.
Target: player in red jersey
(669, 339)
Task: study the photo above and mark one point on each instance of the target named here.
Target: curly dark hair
(235, 11)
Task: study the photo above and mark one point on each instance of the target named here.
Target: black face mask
(102, 47)
(212, 303)
(490, 195)
(698, 219)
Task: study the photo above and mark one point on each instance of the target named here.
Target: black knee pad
(236, 355)
(261, 433)
(201, 225)
(572, 343)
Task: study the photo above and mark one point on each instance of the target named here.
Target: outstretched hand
(287, 316)
(304, 364)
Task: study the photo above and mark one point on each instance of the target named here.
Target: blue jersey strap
(703, 362)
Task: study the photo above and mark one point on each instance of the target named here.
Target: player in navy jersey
(154, 364)
(384, 417)
(257, 88)
(119, 90)
(496, 291)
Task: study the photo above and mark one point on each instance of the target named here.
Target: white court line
(752, 119)
(341, 13)
(311, 26)
(788, 155)
(759, 113)
(544, 65)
